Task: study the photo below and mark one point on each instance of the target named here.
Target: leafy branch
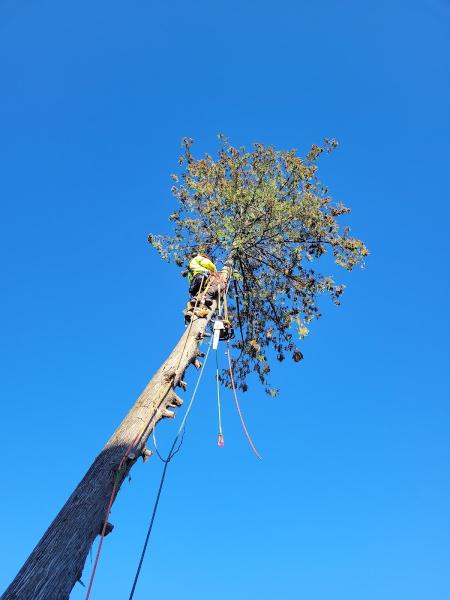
(267, 210)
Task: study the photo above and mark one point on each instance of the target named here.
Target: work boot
(200, 312)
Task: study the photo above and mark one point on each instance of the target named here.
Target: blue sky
(351, 498)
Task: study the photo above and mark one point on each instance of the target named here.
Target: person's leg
(195, 285)
(198, 284)
(216, 283)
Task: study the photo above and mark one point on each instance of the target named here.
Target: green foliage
(267, 210)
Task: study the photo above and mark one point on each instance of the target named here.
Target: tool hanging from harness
(223, 330)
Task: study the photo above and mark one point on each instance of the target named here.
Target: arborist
(199, 270)
(201, 267)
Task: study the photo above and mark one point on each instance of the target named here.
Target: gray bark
(57, 562)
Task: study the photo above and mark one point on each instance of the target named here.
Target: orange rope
(257, 454)
(127, 452)
(108, 512)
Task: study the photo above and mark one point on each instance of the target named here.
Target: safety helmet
(200, 252)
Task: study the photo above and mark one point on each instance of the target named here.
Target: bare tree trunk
(57, 562)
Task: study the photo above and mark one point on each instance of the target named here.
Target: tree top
(267, 212)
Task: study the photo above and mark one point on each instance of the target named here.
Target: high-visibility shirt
(200, 265)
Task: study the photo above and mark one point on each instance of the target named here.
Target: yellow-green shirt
(200, 265)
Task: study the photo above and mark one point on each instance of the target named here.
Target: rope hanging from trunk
(178, 439)
(138, 437)
(220, 440)
(252, 445)
(230, 368)
(171, 454)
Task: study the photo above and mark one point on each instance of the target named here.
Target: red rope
(136, 439)
(257, 454)
(108, 512)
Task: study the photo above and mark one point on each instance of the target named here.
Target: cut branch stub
(67, 541)
(174, 399)
(168, 414)
(146, 453)
(108, 528)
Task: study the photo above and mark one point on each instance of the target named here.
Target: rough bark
(57, 562)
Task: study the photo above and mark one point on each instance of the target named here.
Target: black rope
(171, 455)
(166, 462)
(173, 450)
(155, 507)
(239, 318)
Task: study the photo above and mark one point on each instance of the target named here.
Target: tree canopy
(267, 210)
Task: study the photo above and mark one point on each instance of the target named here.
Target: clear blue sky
(352, 498)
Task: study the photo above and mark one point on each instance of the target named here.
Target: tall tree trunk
(57, 562)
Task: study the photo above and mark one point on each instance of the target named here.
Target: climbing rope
(171, 454)
(237, 404)
(108, 512)
(198, 298)
(178, 438)
(225, 318)
(220, 440)
(126, 454)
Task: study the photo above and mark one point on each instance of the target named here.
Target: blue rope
(166, 461)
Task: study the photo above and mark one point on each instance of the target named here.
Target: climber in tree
(200, 269)
(266, 214)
